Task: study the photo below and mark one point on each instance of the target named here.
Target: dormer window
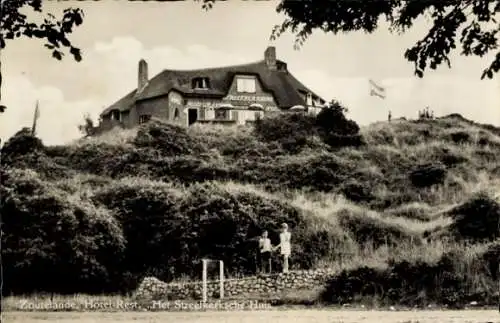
(245, 84)
(309, 99)
(281, 66)
(201, 83)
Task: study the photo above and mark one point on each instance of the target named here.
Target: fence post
(204, 280)
(221, 279)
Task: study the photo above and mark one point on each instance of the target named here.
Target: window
(115, 115)
(144, 118)
(245, 84)
(309, 99)
(201, 83)
(221, 114)
(176, 114)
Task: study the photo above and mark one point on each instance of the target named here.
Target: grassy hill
(406, 210)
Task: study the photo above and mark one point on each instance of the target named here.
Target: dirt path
(275, 316)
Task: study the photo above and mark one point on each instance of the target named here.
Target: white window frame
(246, 84)
(201, 83)
(309, 100)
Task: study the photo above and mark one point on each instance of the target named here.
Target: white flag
(377, 90)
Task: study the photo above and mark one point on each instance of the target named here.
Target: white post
(221, 279)
(204, 280)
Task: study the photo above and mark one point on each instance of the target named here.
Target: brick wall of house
(156, 107)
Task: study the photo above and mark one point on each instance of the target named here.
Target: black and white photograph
(250, 161)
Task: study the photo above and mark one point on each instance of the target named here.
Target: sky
(115, 35)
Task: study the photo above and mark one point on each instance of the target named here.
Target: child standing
(285, 245)
(265, 252)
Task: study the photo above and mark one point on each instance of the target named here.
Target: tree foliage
(87, 128)
(470, 25)
(15, 23)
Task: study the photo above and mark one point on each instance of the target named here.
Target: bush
(335, 129)
(460, 137)
(295, 130)
(483, 141)
(357, 192)
(169, 139)
(492, 260)
(451, 160)
(150, 221)
(350, 285)
(45, 228)
(322, 172)
(21, 144)
(26, 151)
(405, 283)
(477, 219)
(291, 130)
(181, 227)
(331, 120)
(428, 175)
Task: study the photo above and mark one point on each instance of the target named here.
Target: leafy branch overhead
(15, 24)
(470, 25)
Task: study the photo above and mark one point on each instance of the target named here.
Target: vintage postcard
(250, 161)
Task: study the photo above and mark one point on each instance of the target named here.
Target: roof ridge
(213, 68)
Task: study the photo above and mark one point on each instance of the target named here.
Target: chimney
(143, 74)
(270, 57)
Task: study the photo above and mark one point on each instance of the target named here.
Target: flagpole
(35, 119)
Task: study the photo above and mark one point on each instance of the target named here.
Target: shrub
(332, 120)
(169, 139)
(148, 214)
(357, 192)
(460, 137)
(349, 285)
(26, 151)
(477, 219)
(483, 141)
(339, 141)
(180, 227)
(45, 228)
(21, 144)
(322, 172)
(451, 160)
(224, 224)
(335, 129)
(291, 129)
(428, 175)
(411, 284)
(491, 257)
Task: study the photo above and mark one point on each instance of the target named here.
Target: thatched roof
(286, 89)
